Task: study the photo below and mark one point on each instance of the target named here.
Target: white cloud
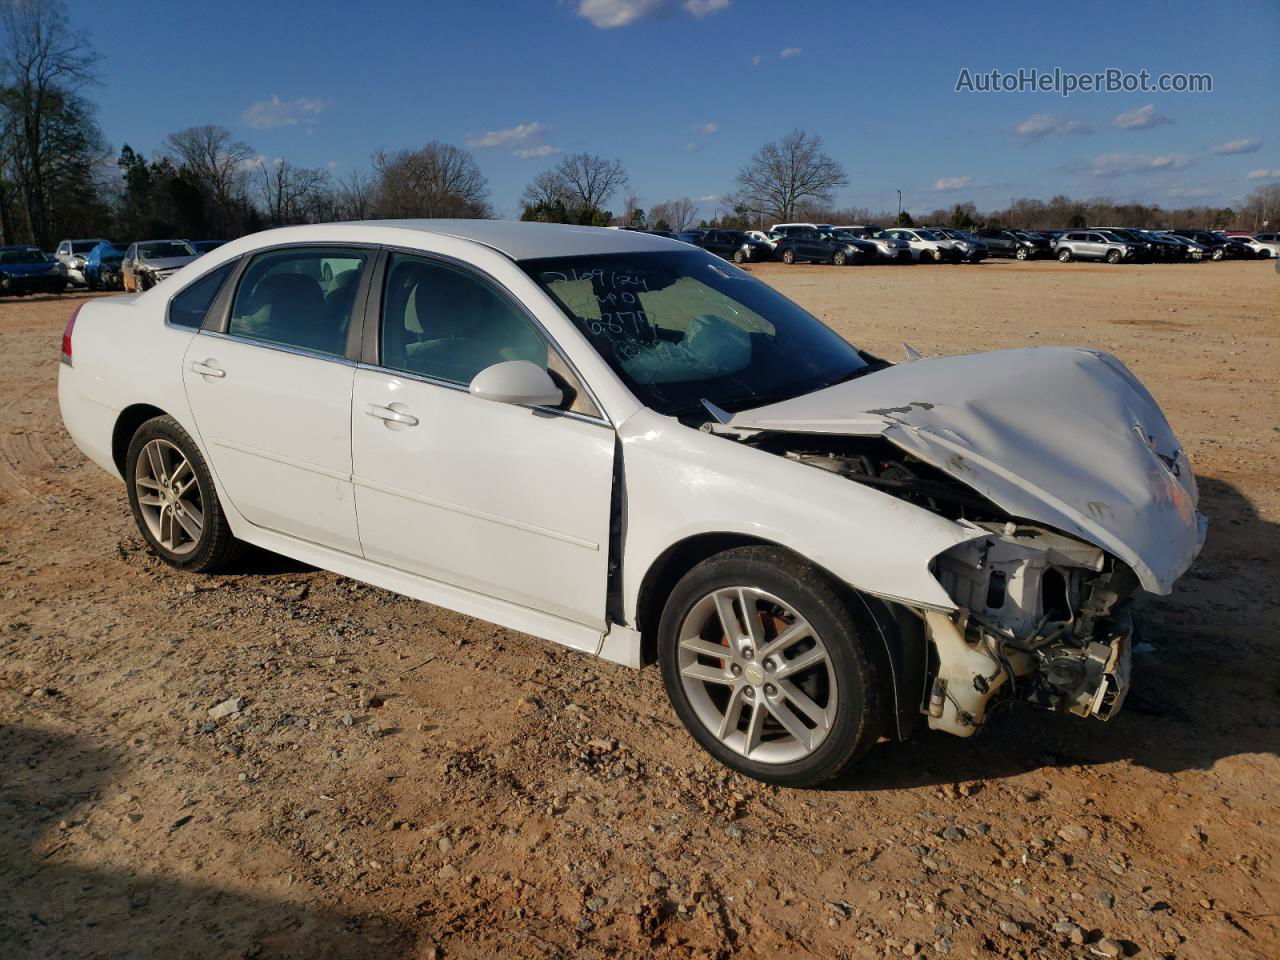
(1263, 174)
(706, 129)
(511, 135)
(789, 52)
(700, 8)
(542, 150)
(755, 61)
(1141, 118)
(710, 198)
(1040, 125)
(274, 112)
(1232, 147)
(953, 183)
(1122, 164)
(608, 14)
(692, 147)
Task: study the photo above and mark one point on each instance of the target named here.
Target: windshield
(680, 327)
(22, 256)
(844, 236)
(83, 246)
(161, 249)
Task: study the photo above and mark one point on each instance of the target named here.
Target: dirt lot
(406, 782)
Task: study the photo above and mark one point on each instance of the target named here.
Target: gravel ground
(393, 780)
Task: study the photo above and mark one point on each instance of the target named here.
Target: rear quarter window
(188, 308)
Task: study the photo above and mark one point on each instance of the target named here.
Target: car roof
(521, 240)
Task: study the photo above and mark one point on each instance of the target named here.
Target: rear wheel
(788, 256)
(1064, 255)
(173, 500)
(767, 668)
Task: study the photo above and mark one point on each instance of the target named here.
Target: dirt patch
(403, 780)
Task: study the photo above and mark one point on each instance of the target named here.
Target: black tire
(860, 705)
(1113, 256)
(788, 256)
(1217, 254)
(216, 545)
(1064, 255)
(739, 256)
(838, 258)
(1021, 253)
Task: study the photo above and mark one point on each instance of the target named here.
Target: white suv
(927, 244)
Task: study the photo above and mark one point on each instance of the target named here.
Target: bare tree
(353, 196)
(676, 214)
(791, 173)
(216, 164)
(546, 190)
(42, 65)
(440, 180)
(290, 193)
(590, 180)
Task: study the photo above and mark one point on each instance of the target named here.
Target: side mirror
(517, 381)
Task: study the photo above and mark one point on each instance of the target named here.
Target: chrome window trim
(279, 347)
(375, 304)
(461, 388)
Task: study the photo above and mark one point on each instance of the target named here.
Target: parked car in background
(71, 255)
(1144, 251)
(690, 236)
(27, 269)
(926, 244)
(1238, 245)
(801, 242)
(761, 236)
(890, 249)
(662, 233)
(148, 262)
(1190, 249)
(204, 246)
(817, 547)
(734, 245)
(1017, 244)
(858, 249)
(1269, 242)
(1215, 247)
(1163, 249)
(1093, 245)
(971, 249)
(102, 267)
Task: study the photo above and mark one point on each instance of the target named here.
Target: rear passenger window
(189, 307)
(300, 298)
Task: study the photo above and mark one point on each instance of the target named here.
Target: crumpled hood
(1065, 437)
(166, 263)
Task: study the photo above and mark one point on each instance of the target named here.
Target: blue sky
(683, 91)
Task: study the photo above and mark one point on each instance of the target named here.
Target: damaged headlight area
(1044, 618)
(1051, 612)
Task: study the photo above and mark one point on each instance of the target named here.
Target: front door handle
(207, 369)
(390, 415)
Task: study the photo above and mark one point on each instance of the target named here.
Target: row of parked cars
(95, 264)
(868, 243)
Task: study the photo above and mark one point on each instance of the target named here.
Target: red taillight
(66, 335)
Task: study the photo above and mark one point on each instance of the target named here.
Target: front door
(271, 394)
(508, 501)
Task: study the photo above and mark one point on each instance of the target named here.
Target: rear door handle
(390, 415)
(207, 370)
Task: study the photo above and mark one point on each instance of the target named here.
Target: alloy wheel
(757, 675)
(169, 497)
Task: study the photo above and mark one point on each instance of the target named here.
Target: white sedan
(628, 446)
(927, 244)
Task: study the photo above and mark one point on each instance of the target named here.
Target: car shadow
(1203, 688)
(54, 902)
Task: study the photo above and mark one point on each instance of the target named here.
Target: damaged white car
(630, 447)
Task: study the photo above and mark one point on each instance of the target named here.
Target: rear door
(506, 501)
(269, 381)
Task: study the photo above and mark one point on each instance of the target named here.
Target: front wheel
(788, 256)
(838, 258)
(1218, 254)
(767, 669)
(1113, 256)
(1021, 253)
(173, 500)
(739, 256)
(1064, 255)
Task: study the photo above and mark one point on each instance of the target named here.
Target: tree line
(58, 177)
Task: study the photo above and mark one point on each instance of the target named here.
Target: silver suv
(1093, 245)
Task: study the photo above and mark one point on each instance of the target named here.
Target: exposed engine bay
(1044, 618)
